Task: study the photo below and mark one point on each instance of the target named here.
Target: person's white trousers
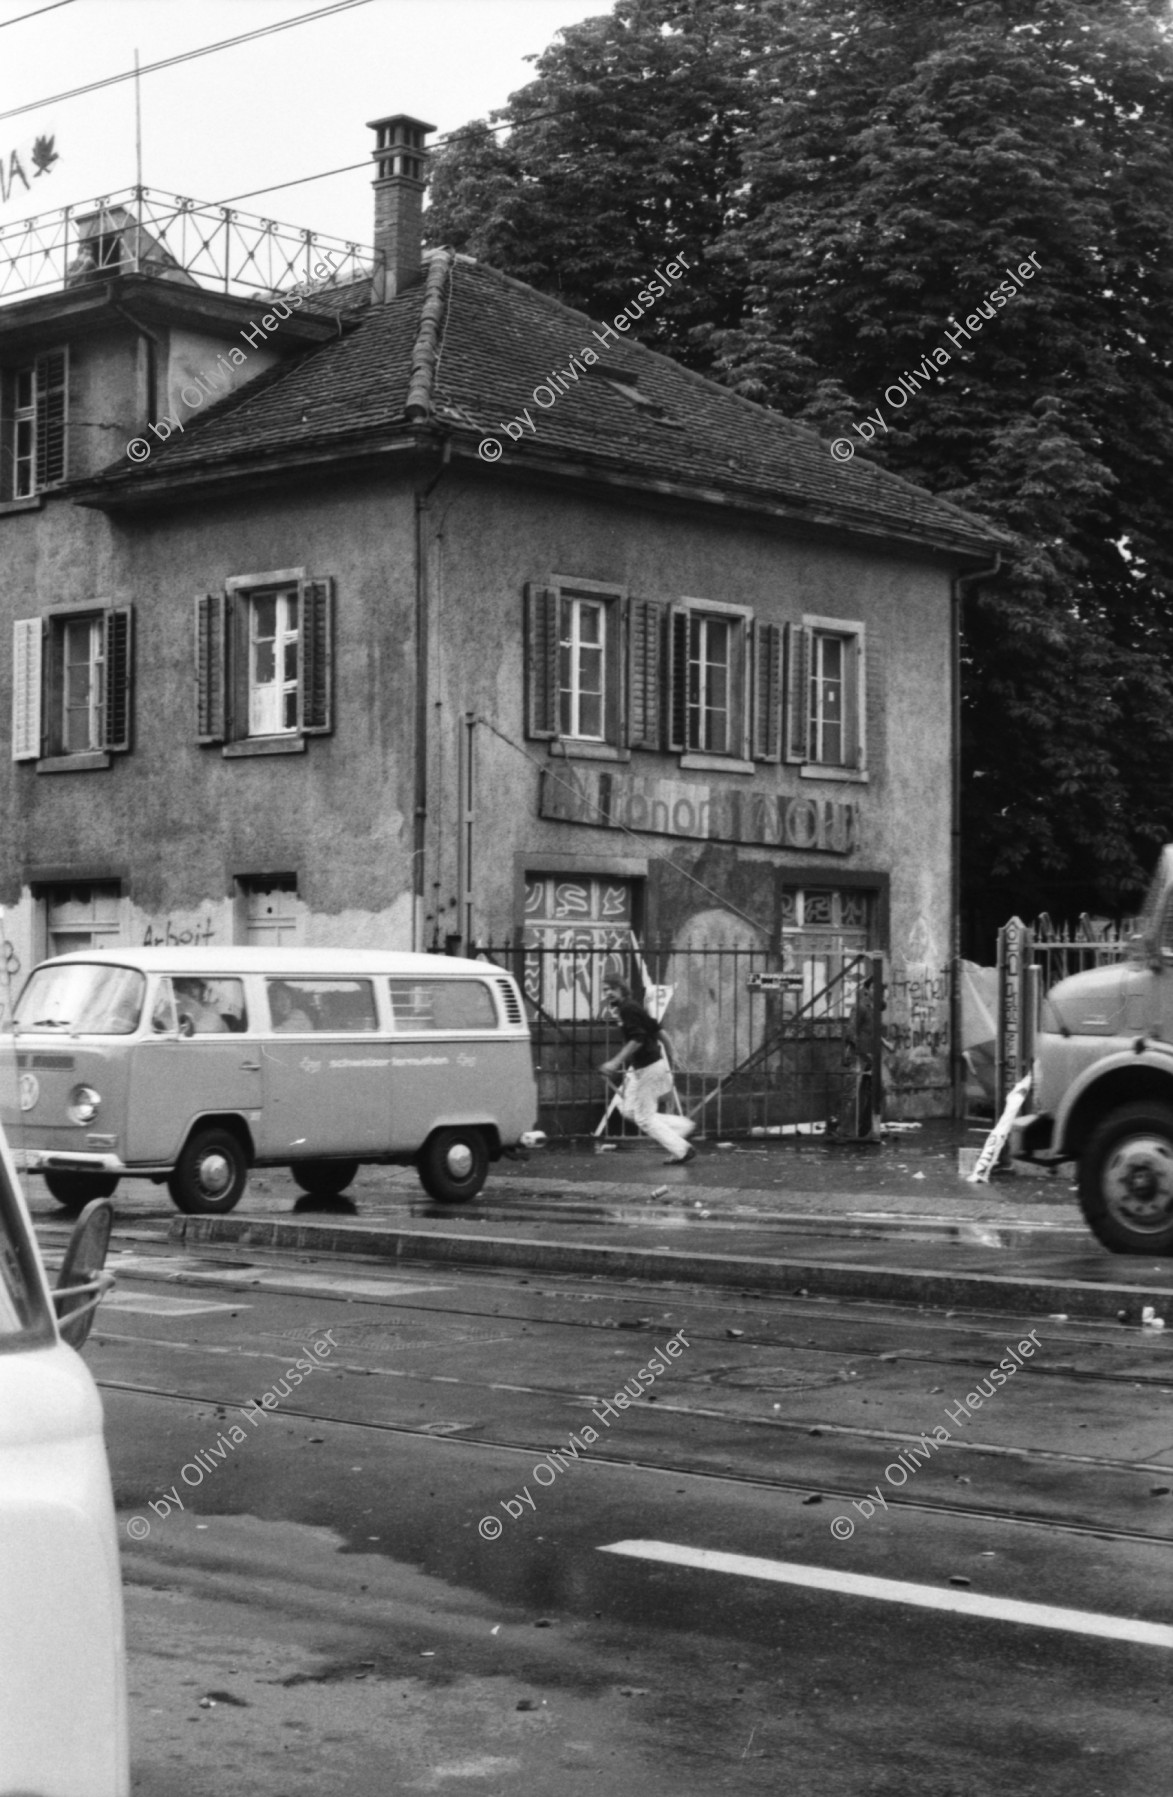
(643, 1089)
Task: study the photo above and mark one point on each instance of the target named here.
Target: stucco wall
(177, 821)
(496, 538)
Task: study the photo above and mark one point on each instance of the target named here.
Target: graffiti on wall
(165, 935)
(917, 1024)
(577, 934)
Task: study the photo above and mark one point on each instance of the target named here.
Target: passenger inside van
(285, 1009)
(196, 1004)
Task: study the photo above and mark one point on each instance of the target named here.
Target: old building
(391, 602)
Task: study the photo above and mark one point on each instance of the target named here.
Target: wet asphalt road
(325, 1612)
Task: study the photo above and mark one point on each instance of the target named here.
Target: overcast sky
(285, 106)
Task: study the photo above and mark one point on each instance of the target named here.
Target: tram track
(886, 1317)
(807, 1491)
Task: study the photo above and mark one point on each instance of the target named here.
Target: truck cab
(1102, 1083)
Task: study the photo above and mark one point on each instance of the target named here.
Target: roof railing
(194, 244)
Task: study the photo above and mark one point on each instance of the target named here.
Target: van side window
(446, 1005)
(335, 1007)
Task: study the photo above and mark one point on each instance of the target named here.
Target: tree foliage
(854, 178)
(628, 146)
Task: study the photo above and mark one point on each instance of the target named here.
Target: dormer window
(625, 382)
(33, 425)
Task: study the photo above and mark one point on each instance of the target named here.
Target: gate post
(876, 1046)
(1014, 941)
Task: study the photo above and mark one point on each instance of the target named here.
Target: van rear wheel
(1126, 1180)
(210, 1174)
(453, 1165)
(74, 1190)
(324, 1179)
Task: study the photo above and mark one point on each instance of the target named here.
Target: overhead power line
(348, 167)
(170, 62)
(34, 15)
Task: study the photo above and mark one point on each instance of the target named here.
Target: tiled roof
(467, 348)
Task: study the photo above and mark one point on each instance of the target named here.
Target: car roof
(322, 963)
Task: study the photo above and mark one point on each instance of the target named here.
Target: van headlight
(83, 1104)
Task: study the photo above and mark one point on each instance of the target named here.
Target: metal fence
(142, 231)
(755, 1045)
(1031, 959)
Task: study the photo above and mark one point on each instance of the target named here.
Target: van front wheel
(453, 1165)
(1126, 1180)
(74, 1190)
(210, 1174)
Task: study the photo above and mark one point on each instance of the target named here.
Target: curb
(824, 1279)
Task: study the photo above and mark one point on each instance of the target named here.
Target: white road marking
(324, 1285)
(159, 1305)
(927, 1597)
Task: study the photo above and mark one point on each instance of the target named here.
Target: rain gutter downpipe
(960, 583)
(422, 660)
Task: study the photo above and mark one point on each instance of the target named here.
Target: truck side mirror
(83, 1282)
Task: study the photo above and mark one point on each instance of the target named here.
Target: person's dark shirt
(641, 1027)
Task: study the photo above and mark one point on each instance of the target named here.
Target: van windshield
(84, 997)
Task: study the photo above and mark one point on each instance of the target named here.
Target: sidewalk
(892, 1222)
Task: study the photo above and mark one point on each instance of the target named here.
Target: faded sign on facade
(699, 811)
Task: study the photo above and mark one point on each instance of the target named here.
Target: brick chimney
(400, 157)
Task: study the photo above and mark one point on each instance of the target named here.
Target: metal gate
(755, 1045)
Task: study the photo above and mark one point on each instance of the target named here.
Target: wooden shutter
(541, 661)
(211, 674)
(677, 678)
(855, 709)
(315, 657)
(50, 377)
(798, 662)
(767, 681)
(645, 658)
(117, 626)
(28, 635)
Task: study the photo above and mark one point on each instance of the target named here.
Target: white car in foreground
(63, 1729)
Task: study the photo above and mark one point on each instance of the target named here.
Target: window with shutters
(264, 662)
(825, 697)
(72, 688)
(710, 710)
(574, 682)
(607, 673)
(33, 425)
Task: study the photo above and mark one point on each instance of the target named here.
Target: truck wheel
(1126, 1180)
(453, 1165)
(324, 1179)
(73, 1190)
(210, 1174)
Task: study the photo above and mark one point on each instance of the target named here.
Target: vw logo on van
(30, 1091)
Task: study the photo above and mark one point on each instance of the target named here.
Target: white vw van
(193, 1065)
(63, 1729)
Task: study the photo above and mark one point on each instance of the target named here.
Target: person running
(649, 1076)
